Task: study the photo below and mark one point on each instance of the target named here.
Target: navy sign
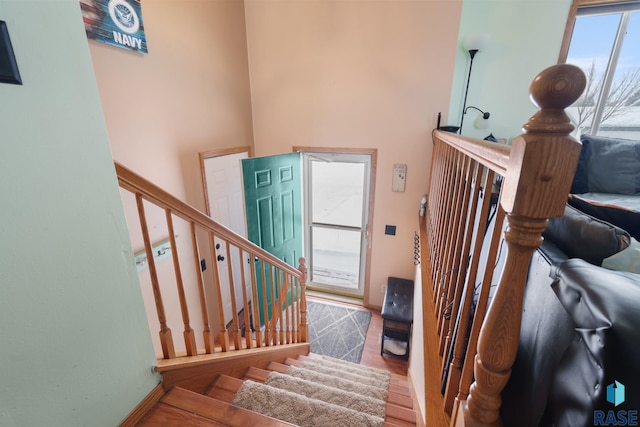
(115, 22)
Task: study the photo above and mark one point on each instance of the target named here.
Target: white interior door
(225, 204)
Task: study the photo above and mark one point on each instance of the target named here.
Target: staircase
(354, 395)
(190, 296)
(218, 372)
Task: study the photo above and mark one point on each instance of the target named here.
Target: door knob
(220, 258)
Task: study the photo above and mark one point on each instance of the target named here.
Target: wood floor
(371, 354)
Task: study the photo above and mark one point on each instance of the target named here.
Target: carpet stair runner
(308, 391)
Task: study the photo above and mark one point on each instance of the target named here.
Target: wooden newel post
(304, 326)
(541, 167)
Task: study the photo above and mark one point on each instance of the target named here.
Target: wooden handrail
(151, 192)
(537, 170)
(278, 273)
(490, 154)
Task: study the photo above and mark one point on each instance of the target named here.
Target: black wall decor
(8, 67)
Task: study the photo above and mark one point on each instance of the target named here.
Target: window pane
(336, 257)
(337, 191)
(590, 49)
(621, 115)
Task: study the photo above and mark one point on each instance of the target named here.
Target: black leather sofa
(606, 184)
(580, 333)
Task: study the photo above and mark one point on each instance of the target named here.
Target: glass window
(337, 191)
(605, 43)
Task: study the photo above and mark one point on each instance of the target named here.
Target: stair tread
(221, 412)
(227, 383)
(401, 380)
(170, 416)
(398, 423)
(392, 410)
(226, 387)
(400, 399)
(394, 387)
(256, 374)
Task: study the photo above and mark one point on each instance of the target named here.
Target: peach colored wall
(354, 73)
(189, 94)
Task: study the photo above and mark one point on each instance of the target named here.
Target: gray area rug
(337, 331)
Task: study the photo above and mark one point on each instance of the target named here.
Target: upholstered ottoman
(397, 317)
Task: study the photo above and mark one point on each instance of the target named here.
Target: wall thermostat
(399, 178)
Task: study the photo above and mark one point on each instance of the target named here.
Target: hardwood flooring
(371, 353)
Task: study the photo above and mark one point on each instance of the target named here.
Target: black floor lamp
(472, 44)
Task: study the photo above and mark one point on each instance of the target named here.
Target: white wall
(525, 39)
(359, 74)
(74, 344)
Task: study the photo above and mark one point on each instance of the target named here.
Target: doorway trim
(373, 152)
(218, 152)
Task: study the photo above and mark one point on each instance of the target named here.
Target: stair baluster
(287, 291)
(304, 326)
(223, 335)
(189, 336)
(255, 305)
(274, 304)
(245, 301)
(265, 308)
(235, 325)
(207, 334)
(166, 340)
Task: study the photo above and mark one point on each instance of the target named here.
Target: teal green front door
(273, 203)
